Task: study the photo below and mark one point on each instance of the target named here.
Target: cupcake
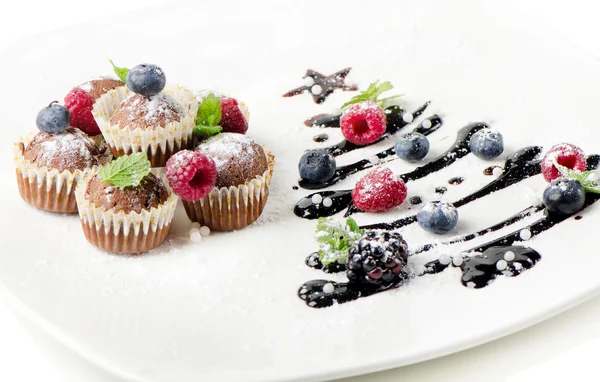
(51, 163)
(145, 116)
(125, 208)
(234, 114)
(224, 183)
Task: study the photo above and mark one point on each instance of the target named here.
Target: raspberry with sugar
(363, 123)
(379, 190)
(565, 154)
(191, 175)
(232, 118)
(80, 104)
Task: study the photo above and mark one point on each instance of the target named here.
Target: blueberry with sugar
(437, 217)
(486, 144)
(412, 147)
(146, 79)
(53, 119)
(564, 196)
(317, 166)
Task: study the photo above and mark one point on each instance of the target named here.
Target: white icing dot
(328, 288)
(501, 265)
(316, 198)
(204, 231)
(457, 261)
(309, 81)
(195, 237)
(471, 284)
(316, 89)
(327, 202)
(445, 259)
(336, 111)
(497, 171)
(196, 225)
(525, 234)
(426, 124)
(374, 159)
(407, 117)
(193, 230)
(509, 256)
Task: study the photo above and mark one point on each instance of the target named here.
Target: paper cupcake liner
(44, 188)
(158, 142)
(122, 232)
(232, 208)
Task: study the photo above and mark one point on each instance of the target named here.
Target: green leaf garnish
(126, 171)
(372, 94)
(209, 116)
(590, 180)
(120, 72)
(335, 239)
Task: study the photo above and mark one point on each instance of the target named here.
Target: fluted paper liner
(232, 208)
(158, 142)
(122, 232)
(44, 188)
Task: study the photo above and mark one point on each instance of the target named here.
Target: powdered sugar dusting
(70, 150)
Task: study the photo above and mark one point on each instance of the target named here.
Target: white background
(563, 348)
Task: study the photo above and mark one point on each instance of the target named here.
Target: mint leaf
(207, 131)
(335, 238)
(590, 180)
(209, 112)
(120, 72)
(126, 171)
(372, 94)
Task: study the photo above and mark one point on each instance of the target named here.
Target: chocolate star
(323, 86)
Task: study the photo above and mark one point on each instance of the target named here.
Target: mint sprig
(372, 94)
(590, 180)
(208, 117)
(335, 238)
(125, 171)
(120, 72)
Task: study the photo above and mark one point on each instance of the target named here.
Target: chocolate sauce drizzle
(324, 120)
(345, 171)
(490, 170)
(320, 138)
(328, 84)
(441, 190)
(456, 180)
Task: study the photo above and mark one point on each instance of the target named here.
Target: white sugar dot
(497, 171)
(407, 117)
(426, 124)
(195, 237)
(327, 202)
(336, 111)
(195, 225)
(525, 234)
(309, 81)
(194, 230)
(316, 89)
(445, 259)
(457, 261)
(204, 231)
(316, 198)
(509, 256)
(374, 159)
(471, 284)
(328, 288)
(501, 265)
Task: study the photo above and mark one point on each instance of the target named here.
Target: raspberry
(232, 120)
(80, 103)
(191, 175)
(363, 123)
(377, 260)
(378, 191)
(565, 154)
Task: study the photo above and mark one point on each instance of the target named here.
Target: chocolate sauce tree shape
(434, 123)
(342, 199)
(323, 86)
(479, 265)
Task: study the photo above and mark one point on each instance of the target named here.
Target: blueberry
(412, 147)
(564, 196)
(486, 144)
(146, 79)
(437, 217)
(317, 166)
(53, 119)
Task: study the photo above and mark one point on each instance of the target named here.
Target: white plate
(227, 310)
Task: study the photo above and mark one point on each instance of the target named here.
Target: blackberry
(377, 260)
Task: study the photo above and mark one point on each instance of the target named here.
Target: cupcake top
(71, 150)
(149, 193)
(141, 112)
(99, 86)
(238, 158)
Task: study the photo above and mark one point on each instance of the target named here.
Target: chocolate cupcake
(241, 188)
(125, 208)
(52, 162)
(145, 116)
